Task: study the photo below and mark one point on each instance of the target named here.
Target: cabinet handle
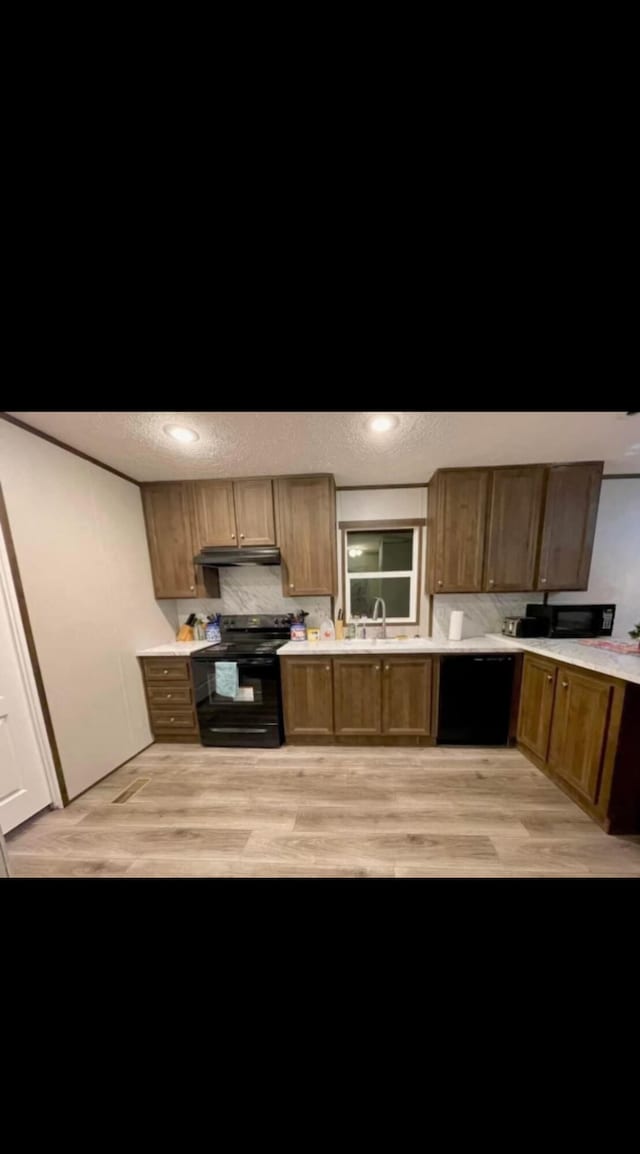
(291, 586)
(233, 536)
(328, 668)
(377, 668)
(549, 677)
(439, 582)
(165, 671)
(192, 587)
(242, 536)
(387, 668)
(169, 696)
(491, 581)
(172, 719)
(565, 684)
(543, 580)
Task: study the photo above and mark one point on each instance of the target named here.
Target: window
(382, 563)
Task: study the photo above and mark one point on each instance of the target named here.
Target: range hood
(212, 557)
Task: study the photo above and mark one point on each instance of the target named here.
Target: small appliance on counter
(521, 627)
(556, 620)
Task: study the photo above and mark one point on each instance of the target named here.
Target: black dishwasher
(475, 699)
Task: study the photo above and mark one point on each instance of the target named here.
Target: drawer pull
(170, 695)
(172, 719)
(565, 684)
(328, 668)
(549, 677)
(165, 671)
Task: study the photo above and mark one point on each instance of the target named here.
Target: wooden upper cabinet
(513, 528)
(579, 729)
(456, 551)
(214, 520)
(306, 522)
(406, 695)
(536, 704)
(168, 515)
(255, 522)
(307, 693)
(571, 508)
(357, 696)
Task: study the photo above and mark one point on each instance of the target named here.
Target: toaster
(523, 627)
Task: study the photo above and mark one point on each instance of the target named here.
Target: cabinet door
(214, 521)
(307, 690)
(254, 512)
(406, 695)
(306, 508)
(460, 513)
(536, 704)
(569, 526)
(167, 511)
(513, 530)
(579, 729)
(357, 695)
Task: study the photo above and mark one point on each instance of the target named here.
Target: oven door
(253, 717)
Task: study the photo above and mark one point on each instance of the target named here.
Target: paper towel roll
(455, 625)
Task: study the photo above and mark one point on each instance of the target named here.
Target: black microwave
(573, 620)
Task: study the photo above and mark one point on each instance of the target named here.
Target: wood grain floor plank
(416, 819)
(149, 814)
(370, 851)
(135, 843)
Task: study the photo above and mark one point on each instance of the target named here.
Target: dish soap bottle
(327, 630)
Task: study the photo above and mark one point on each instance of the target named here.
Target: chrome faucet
(379, 601)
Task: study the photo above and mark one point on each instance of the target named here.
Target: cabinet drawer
(164, 720)
(169, 669)
(169, 696)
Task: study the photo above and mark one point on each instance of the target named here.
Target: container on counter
(350, 631)
(212, 630)
(327, 630)
(313, 634)
(298, 631)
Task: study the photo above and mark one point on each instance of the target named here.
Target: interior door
(24, 789)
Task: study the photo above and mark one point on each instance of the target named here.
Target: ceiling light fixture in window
(383, 423)
(181, 434)
(355, 552)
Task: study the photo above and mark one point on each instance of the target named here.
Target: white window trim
(413, 574)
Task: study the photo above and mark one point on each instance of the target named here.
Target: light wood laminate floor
(186, 811)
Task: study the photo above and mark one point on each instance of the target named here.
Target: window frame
(415, 574)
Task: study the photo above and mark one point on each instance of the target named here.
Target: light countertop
(625, 666)
(174, 649)
(391, 645)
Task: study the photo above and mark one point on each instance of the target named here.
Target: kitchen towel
(227, 680)
(455, 625)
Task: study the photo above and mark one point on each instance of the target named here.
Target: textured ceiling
(250, 444)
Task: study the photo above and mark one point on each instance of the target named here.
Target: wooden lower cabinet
(346, 699)
(307, 692)
(580, 720)
(583, 729)
(536, 704)
(406, 695)
(170, 698)
(357, 695)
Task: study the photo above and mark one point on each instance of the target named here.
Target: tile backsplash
(483, 612)
(254, 589)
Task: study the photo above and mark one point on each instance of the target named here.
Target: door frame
(9, 597)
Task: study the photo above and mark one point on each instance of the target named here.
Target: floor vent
(135, 786)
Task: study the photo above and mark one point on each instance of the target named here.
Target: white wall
(81, 546)
(381, 505)
(615, 566)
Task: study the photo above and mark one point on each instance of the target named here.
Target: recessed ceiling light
(383, 423)
(180, 434)
(636, 446)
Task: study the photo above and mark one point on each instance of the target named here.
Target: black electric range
(241, 703)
